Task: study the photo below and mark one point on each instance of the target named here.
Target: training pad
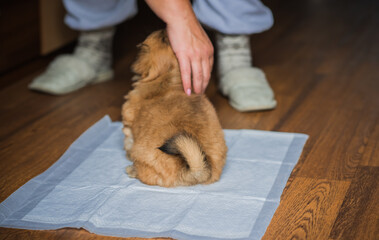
(88, 188)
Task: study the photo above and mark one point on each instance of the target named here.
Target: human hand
(189, 42)
(194, 52)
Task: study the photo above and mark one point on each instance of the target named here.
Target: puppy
(171, 138)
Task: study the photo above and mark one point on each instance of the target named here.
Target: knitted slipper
(247, 89)
(68, 73)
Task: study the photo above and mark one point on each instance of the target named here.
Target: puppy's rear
(196, 168)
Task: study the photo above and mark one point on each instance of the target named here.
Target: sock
(245, 85)
(233, 52)
(95, 48)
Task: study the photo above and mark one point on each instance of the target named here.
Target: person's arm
(189, 42)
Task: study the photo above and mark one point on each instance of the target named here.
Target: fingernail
(188, 91)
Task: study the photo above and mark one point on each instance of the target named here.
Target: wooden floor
(322, 60)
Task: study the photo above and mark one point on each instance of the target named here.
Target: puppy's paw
(131, 171)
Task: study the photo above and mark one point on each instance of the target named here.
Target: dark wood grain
(358, 216)
(322, 60)
(308, 209)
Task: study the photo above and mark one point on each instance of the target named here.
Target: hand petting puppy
(189, 42)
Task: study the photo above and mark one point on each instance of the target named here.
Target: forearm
(173, 11)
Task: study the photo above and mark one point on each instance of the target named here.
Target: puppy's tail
(196, 168)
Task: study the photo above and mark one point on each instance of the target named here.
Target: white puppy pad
(88, 188)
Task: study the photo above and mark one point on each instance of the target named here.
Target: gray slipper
(247, 89)
(68, 73)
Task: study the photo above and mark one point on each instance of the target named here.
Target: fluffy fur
(171, 138)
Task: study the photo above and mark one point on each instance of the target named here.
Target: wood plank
(307, 210)
(370, 153)
(358, 217)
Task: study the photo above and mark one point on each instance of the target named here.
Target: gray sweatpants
(224, 16)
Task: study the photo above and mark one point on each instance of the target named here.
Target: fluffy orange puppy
(171, 138)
